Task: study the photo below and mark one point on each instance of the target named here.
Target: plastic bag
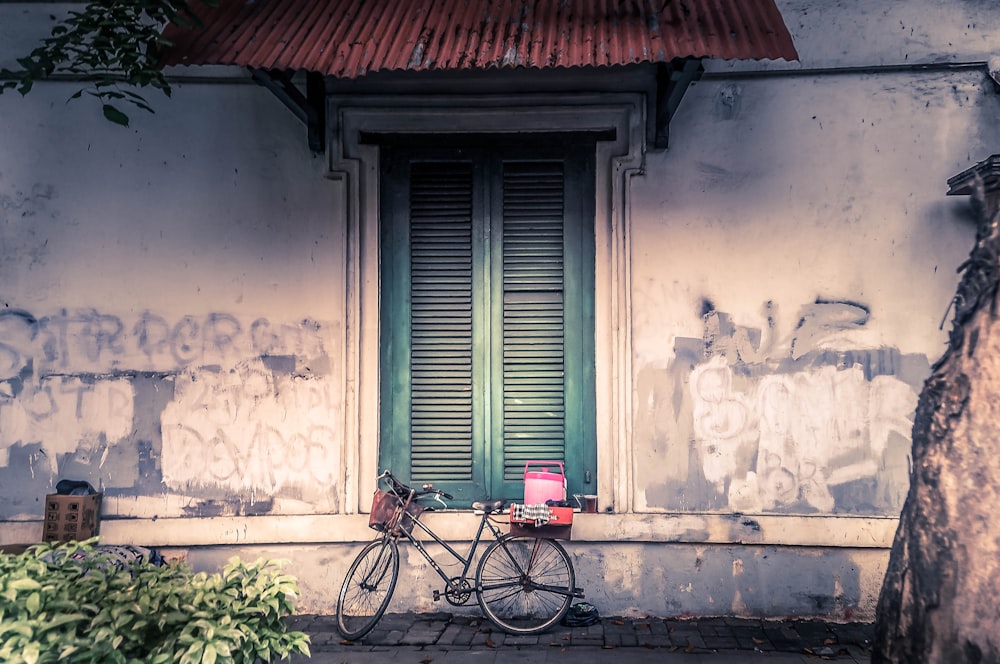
(581, 614)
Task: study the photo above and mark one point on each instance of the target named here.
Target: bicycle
(523, 584)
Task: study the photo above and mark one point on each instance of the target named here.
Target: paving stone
(419, 638)
(744, 643)
(452, 634)
(520, 640)
(421, 635)
(642, 628)
(742, 622)
(619, 640)
(721, 642)
(689, 638)
(489, 639)
(385, 637)
(660, 627)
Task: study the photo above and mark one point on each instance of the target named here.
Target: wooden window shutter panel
(441, 331)
(533, 315)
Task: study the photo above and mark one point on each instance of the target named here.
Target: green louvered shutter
(441, 322)
(532, 357)
(430, 258)
(487, 317)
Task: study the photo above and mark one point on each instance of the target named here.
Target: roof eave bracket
(310, 107)
(672, 81)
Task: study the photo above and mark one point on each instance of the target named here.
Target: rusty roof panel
(352, 38)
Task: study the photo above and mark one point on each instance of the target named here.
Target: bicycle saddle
(488, 506)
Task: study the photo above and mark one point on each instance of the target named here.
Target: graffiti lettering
(217, 431)
(63, 413)
(822, 324)
(774, 431)
(68, 384)
(18, 330)
(89, 341)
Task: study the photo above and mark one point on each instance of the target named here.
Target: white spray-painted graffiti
(781, 437)
(66, 413)
(786, 439)
(252, 406)
(249, 430)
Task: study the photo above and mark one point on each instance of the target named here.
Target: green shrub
(64, 603)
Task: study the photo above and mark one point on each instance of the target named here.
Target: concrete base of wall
(630, 579)
(771, 566)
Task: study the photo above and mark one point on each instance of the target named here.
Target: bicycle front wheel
(525, 584)
(368, 588)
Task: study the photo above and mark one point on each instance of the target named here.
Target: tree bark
(940, 600)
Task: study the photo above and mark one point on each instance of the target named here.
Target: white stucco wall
(174, 318)
(797, 233)
(172, 306)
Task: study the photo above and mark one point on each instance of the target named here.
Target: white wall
(172, 312)
(809, 211)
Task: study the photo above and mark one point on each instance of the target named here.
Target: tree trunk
(940, 601)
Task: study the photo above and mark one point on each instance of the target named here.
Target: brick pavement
(449, 632)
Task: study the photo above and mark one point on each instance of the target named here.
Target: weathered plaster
(777, 366)
(630, 579)
(166, 284)
(860, 33)
(148, 407)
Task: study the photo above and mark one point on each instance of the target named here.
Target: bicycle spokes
(367, 589)
(525, 584)
(372, 579)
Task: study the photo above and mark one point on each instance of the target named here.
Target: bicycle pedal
(437, 595)
(578, 592)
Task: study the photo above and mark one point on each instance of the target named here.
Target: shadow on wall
(805, 424)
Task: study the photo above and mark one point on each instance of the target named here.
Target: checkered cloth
(538, 513)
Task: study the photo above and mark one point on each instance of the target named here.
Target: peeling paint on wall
(800, 424)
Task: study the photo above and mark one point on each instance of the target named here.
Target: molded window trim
(354, 163)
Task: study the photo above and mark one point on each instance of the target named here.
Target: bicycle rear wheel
(368, 588)
(525, 584)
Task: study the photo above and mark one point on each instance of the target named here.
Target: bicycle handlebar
(402, 490)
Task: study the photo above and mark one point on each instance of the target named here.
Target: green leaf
(24, 584)
(33, 603)
(116, 116)
(31, 653)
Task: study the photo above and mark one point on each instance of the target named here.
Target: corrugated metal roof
(352, 38)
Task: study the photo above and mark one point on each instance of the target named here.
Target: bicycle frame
(466, 561)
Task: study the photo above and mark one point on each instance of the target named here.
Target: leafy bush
(64, 603)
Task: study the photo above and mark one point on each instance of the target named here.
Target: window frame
(354, 166)
(486, 158)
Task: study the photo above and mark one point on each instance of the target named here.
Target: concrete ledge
(778, 530)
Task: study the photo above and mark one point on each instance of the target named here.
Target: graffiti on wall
(214, 403)
(247, 429)
(790, 421)
(66, 412)
(88, 340)
(22, 213)
(786, 439)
